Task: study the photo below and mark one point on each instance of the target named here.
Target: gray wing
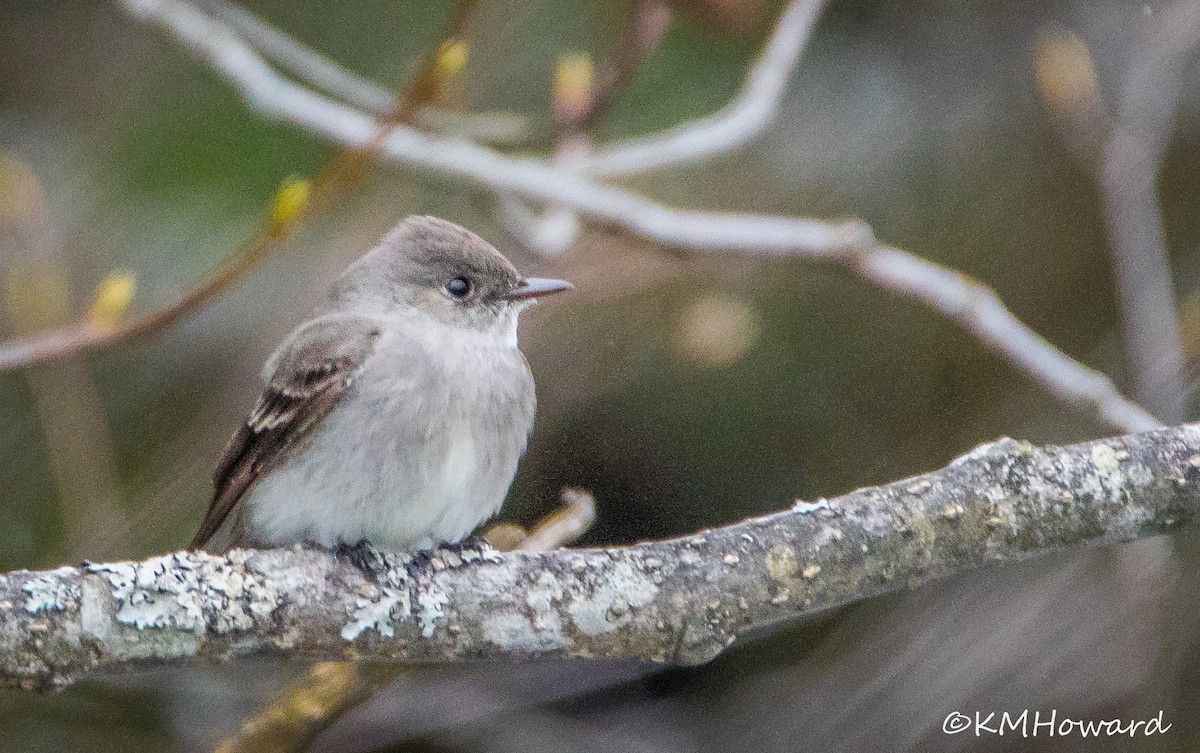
(308, 375)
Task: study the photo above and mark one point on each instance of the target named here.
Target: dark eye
(459, 287)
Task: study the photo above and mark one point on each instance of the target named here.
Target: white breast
(400, 472)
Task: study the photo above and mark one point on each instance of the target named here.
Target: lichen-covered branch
(307, 706)
(682, 600)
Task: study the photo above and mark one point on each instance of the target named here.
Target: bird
(395, 415)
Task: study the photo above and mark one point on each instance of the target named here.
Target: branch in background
(284, 218)
(304, 62)
(78, 441)
(1137, 147)
(325, 75)
(580, 115)
(734, 125)
(677, 601)
(89, 334)
(328, 690)
(427, 86)
(977, 309)
(969, 303)
(1125, 156)
(582, 99)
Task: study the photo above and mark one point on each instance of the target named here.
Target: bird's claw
(374, 563)
(386, 567)
(453, 556)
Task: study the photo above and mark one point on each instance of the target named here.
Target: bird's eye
(459, 287)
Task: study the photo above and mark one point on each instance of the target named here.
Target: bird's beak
(535, 287)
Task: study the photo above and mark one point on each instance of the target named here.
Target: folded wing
(309, 374)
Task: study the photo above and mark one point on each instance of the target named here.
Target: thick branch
(682, 600)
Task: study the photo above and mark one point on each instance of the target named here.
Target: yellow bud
(292, 197)
(451, 57)
(1065, 74)
(573, 80)
(112, 298)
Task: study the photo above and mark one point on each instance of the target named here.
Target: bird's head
(448, 273)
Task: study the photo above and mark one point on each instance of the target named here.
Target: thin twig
(1136, 149)
(977, 309)
(639, 38)
(552, 230)
(730, 127)
(321, 73)
(334, 177)
(85, 335)
(304, 62)
(850, 243)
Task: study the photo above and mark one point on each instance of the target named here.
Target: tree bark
(677, 601)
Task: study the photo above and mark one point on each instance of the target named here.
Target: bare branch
(849, 243)
(304, 62)
(87, 334)
(76, 337)
(639, 38)
(577, 115)
(1136, 149)
(683, 600)
(325, 75)
(733, 125)
(978, 310)
(946, 290)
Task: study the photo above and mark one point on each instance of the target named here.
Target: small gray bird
(397, 413)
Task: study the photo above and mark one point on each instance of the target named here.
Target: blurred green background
(684, 390)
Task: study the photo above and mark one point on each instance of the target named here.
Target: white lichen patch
(1138, 474)
(50, 592)
(192, 591)
(378, 613)
(806, 508)
(1132, 517)
(590, 604)
(1103, 475)
(1105, 457)
(540, 599)
(430, 601)
(781, 563)
(401, 599)
(539, 629)
(513, 632)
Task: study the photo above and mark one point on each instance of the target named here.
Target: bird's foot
(376, 564)
(453, 556)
